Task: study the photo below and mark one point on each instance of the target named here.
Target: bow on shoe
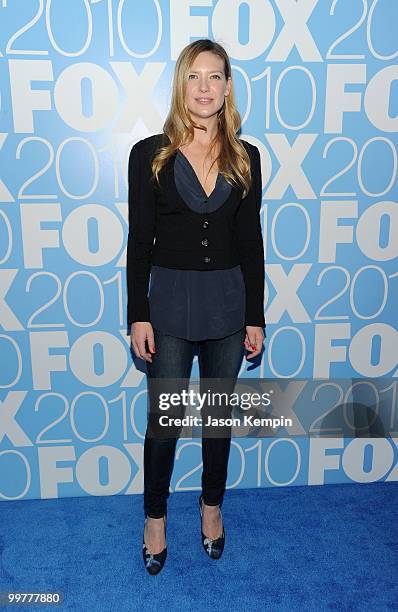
(150, 559)
(210, 546)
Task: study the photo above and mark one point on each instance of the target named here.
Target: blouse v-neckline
(208, 196)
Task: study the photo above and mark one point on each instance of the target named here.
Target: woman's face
(206, 85)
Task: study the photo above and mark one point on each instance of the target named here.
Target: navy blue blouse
(197, 304)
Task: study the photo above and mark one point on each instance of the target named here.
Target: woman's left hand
(254, 340)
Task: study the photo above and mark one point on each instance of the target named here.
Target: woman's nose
(203, 85)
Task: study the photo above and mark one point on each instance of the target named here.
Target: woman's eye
(214, 75)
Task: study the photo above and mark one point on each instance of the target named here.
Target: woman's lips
(204, 100)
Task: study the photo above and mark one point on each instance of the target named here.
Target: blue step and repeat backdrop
(80, 82)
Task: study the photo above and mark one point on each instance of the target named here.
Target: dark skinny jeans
(218, 358)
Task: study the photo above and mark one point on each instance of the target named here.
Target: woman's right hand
(142, 332)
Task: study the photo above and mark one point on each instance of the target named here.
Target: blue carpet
(332, 547)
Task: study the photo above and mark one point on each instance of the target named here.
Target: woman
(195, 231)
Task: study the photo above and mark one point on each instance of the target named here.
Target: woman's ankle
(210, 506)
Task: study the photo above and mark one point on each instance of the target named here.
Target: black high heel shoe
(213, 548)
(154, 562)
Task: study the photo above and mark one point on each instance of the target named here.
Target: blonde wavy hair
(233, 159)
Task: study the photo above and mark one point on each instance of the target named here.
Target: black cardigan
(164, 231)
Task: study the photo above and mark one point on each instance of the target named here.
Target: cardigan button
(205, 224)
(206, 259)
(205, 242)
